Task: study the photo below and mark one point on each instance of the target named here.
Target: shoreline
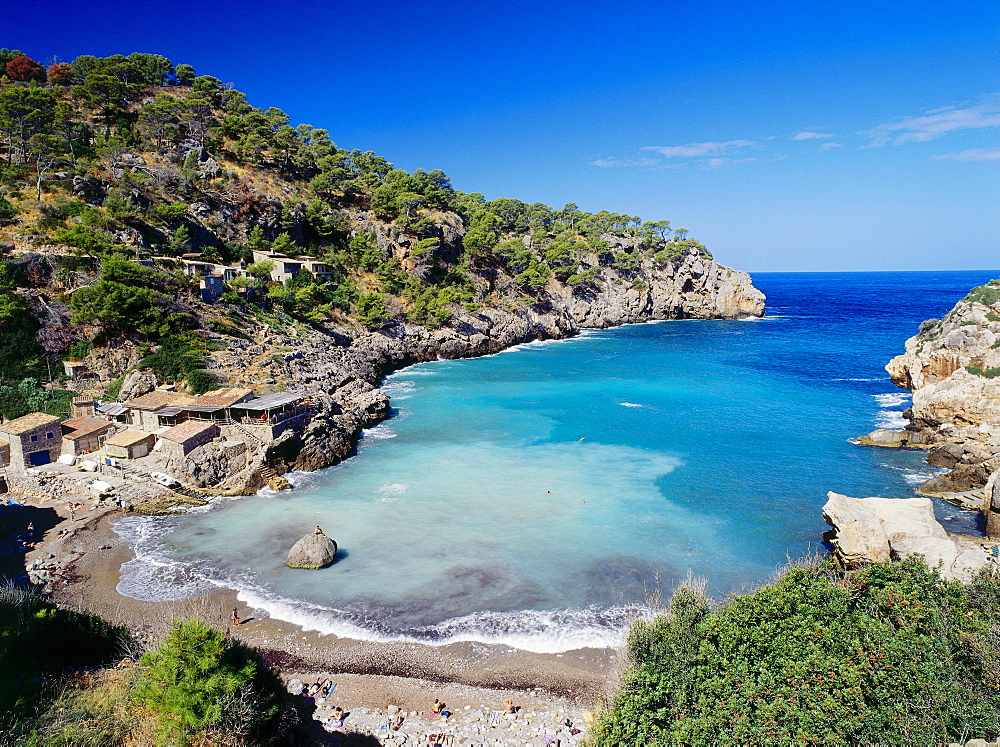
(92, 554)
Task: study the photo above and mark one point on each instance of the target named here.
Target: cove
(542, 496)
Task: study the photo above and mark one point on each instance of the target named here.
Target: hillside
(153, 219)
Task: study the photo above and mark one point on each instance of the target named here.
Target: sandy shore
(371, 675)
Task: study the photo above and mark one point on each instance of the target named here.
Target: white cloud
(615, 162)
(829, 146)
(807, 135)
(970, 156)
(981, 113)
(696, 150)
(719, 163)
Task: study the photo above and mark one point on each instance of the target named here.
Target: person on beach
(509, 705)
(235, 619)
(397, 722)
(30, 530)
(318, 530)
(72, 511)
(437, 709)
(336, 720)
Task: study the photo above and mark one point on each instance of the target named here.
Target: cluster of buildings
(212, 276)
(164, 421)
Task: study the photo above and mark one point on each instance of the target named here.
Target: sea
(545, 496)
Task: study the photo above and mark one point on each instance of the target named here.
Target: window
(34, 437)
(48, 434)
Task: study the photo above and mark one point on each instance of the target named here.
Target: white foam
(630, 404)
(892, 399)
(539, 631)
(890, 419)
(379, 432)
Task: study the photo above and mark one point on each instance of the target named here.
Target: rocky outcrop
(871, 530)
(344, 366)
(312, 551)
(953, 368)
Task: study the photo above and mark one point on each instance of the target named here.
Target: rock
(135, 384)
(859, 537)
(278, 482)
(963, 478)
(946, 455)
(886, 438)
(869, 530)
(312, 551)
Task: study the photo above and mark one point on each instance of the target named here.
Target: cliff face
(952, 366)
(948, 398)
(346, 365)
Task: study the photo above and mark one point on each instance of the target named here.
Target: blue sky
(798, 135)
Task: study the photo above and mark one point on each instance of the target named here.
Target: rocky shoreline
(952, 367)
(345, 368)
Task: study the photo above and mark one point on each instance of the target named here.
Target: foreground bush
(198, 682)
(890, 654)
(38, 642)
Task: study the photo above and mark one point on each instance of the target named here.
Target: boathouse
(183, 438)
(34, 439)
(130, 444)
(84, 434)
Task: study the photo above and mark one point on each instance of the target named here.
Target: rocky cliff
(346, 364)
(952, 366)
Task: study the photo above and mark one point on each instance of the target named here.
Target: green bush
(198, 682)
(200, 381)
(987, 294)
(989, 373)
(38, 641)
(889, 654)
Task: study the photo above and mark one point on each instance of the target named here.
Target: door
(38, 458)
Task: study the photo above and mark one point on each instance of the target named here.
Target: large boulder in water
(312, 551)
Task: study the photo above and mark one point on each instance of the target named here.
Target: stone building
(34, 439)
(130, 444)
(84, 434)
(181, 439)
(142, 410)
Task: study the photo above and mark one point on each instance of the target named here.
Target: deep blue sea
(541, 496)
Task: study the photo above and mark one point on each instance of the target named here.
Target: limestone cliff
(346, 364)
(952, 366)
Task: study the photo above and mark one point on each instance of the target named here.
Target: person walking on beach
(236, 617)
(72, 511)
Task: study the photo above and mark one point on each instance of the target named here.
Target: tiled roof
(128, 438)
(186, 431)
(222, 397)
(84, 426)
(156, 399)
(28, 422)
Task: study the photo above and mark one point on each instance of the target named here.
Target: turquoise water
(539, 497)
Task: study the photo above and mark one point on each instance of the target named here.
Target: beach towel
(495, 718)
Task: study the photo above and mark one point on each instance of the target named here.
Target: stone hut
(34, 439)
(130, 444)
(82, 407)
(143, 410)
(181, 439)
(84, 434)
(4, 453)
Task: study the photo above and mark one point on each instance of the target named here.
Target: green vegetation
(988, 373)
(987, 295)
(890, 654)
(197, 687)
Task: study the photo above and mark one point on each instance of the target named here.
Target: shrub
(890, 654)
(200, 381)
(199, 681)
(989, 373)
(987, 294)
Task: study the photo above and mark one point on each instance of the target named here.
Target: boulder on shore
(871, 530)
(312, 551)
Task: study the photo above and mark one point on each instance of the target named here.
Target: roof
(27, 423)
(186, 431)
(222, 397)
(84, 426)
(271, 401)
(155, 400)
(111, 408)
(128, 438)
